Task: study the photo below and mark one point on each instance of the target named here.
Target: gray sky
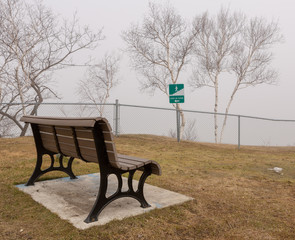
(115, 16)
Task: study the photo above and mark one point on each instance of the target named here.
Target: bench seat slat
(128, 165)
(135, 159)
(123, 161)
(156, 169)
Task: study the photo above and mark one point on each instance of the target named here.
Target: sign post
(176, 95)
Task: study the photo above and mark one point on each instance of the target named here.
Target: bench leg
(139, 192)
(38, 172)
(102, 201)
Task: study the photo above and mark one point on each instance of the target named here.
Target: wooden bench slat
(86, 143)
(108, 136)
(88, 151)
(51, 147)
(46, 135)
(69, 153)
(67, 147)
(90, 158)
(110, 146)
(63, 139)
(128, 165)
(104, 126)
(84, 134)
(156, 168)
(125, 168)
(48, 139)
(46, 142)
(135, 159)
(123, 161)
(44, 128)
(111, 155)
(62, 121)
(137, 163)
(64, 131)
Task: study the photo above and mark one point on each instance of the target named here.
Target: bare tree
(251, 60)
(160, 48)
(33, 44)
(190, 131)
(99, 81)
(233, 44)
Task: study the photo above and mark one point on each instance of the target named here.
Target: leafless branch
(99, 81)
(33, 44)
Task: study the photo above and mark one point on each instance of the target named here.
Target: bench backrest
(89, 139)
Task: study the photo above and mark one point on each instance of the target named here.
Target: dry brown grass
(236, 196)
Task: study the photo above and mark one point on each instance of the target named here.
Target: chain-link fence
(199, 126)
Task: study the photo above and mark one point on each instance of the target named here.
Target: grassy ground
(236, 195)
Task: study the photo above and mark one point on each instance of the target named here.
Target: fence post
(239, 132)
(177, 123)
(117, 118)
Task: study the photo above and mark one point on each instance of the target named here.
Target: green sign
(176, 93)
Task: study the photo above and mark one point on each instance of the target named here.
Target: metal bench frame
(65, 136)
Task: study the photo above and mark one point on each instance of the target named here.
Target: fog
(273, 101)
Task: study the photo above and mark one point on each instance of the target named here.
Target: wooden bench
(91, 140)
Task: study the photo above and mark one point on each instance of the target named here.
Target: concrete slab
(73, 199)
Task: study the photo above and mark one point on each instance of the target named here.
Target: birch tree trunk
(216, 111)
(182, 120)
(226, 113)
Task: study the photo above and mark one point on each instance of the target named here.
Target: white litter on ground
(276, 169)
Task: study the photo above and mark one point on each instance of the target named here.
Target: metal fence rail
(134, 119)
